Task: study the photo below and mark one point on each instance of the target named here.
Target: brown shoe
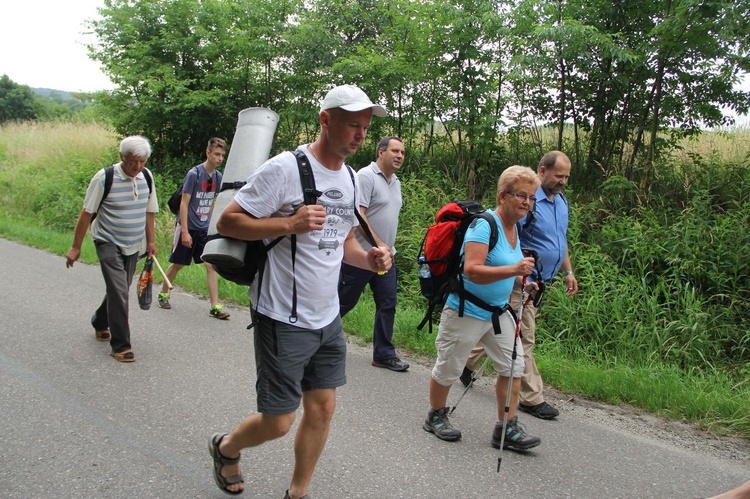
(124, 356)
(103, 335)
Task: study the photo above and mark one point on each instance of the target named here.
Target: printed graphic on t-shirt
(339, 221)
(205, 198)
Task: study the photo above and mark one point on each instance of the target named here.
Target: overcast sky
(42, 44)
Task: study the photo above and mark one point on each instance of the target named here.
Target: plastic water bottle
(425, 278)
(424, 269)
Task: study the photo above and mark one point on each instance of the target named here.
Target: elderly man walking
(124, 199)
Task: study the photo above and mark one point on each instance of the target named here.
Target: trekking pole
(474, 376)
(510, 376)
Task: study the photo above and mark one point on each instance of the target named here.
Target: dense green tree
(16, 101)
(185, 68)
(466, 82)
(626, 79)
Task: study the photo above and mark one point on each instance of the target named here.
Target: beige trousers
(532, 386)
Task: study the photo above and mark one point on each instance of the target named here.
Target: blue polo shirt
(548, 235)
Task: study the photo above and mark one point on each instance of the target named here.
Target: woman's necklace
(510, 234)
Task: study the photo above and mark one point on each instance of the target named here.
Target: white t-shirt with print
(274, 190)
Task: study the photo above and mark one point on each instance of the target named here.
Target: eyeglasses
(522, 197)
(210, 184)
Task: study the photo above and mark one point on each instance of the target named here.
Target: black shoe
(541, 411)
(516, 437)
(286, 495)
(394, 364)
(437, 422)
(466, 376)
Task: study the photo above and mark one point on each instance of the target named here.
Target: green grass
(30, 233)
(406, 336)
(711, 400)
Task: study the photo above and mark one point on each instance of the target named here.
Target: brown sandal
(125, 356)
(103, 335)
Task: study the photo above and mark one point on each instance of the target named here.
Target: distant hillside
(49, 92)
(58, 103)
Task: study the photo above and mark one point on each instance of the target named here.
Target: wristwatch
(567, 273)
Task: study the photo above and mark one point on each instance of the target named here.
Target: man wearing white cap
(302, 360)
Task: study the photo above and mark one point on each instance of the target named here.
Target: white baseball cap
(351, 98)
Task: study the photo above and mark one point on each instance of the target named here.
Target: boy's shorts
(182, 255)
(290, 360)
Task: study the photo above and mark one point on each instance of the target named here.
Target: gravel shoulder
(632, 420)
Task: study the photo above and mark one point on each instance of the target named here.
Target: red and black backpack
(441, 253)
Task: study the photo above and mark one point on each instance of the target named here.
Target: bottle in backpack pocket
(425, 277)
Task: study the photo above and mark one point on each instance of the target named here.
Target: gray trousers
(112, 314)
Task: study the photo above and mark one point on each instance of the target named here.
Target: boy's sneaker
(437, 422)
(163, 299)
(516, 437)
(541, 411)
(218, 312)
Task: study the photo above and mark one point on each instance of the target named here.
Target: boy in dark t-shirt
(201, 186)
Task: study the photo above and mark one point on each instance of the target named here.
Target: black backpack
(257, 252)
(109, 176)
(440, 252)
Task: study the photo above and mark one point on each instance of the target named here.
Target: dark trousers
(352, 282)
(112, 314)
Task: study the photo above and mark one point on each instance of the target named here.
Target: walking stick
(163, 274)
(510, 376)
(474, 376)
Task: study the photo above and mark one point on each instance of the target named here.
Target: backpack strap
(109, 176)
(309, 196)
(365, 228)
(149, 181)
(494, 231)
(493, 309)
(458, 283)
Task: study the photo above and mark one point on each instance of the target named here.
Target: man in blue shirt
(545, 233)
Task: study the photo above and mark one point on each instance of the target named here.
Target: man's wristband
(567, 273)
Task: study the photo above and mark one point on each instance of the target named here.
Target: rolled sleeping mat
(250, 149)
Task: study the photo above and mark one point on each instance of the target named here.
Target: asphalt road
(76, 423)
